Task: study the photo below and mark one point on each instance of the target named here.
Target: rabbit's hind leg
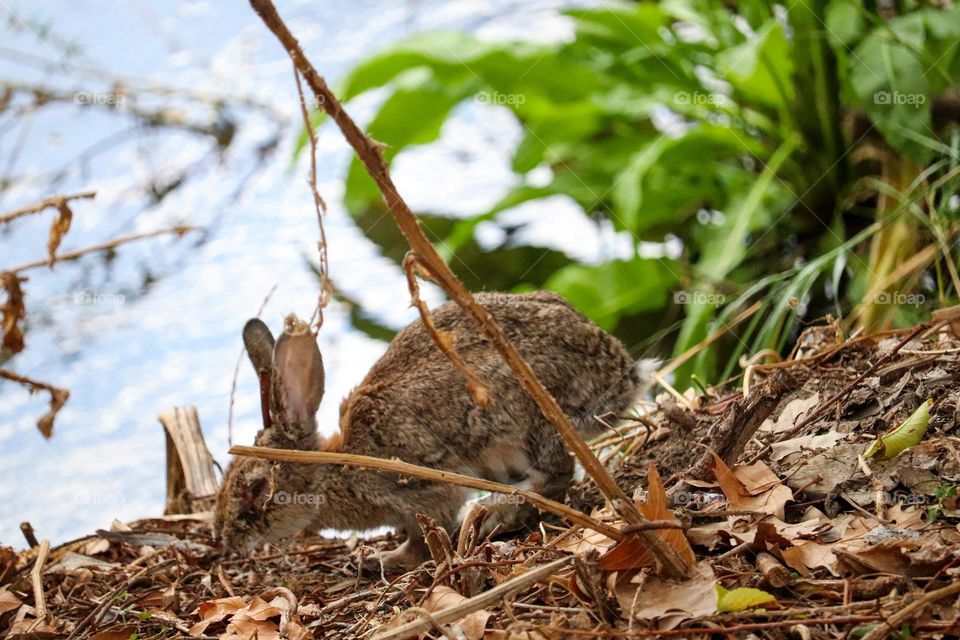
(550, 476)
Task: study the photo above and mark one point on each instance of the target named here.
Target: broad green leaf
(910, 433)
(408, 117)
(607, 291)
(844, 23)
(891, 83)
(671, 178)
(761, 69)
(741, 598)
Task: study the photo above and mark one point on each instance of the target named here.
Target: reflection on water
(159, 323)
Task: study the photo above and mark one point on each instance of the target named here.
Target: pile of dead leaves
(820, 502)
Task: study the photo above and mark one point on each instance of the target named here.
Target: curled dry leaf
(795, 411)
(8, 601)
(471, 626)
(58, 229)
(669, 602)
(12, 311)
(752, 488)
(631, 552)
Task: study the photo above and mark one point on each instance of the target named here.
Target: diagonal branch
(668, 561)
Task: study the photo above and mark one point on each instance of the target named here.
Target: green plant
(808, 159)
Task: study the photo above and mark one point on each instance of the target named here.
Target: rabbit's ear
(297, 376)
(259, 343)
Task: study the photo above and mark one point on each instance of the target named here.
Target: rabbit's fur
(414, 406)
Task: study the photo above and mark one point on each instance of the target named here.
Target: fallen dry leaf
(781, 450)
(472, 625)
(739, 486)
(669, 602)
(791, 414)
(8, 601)
(631, 552)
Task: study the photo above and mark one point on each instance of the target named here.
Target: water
(159, 324)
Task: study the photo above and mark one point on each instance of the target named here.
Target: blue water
(138, 349)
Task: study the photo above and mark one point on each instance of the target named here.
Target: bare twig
(319, 205)
(479, 391)
(36, 579)
(883, 629)
(468, 606)
(58, 397)
(46, 203)
(667, 560)
(179, 231)
(426, 473)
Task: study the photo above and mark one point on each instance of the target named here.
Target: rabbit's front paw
(409, 555)
(507, 512)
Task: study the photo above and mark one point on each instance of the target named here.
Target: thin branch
(426, 473)
(319, 205)
(53, 201)
(479, 391)
(668, 560)
(179, 231)
(892, 623)
(468, 606)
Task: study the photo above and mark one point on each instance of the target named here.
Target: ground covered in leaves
(813, 498)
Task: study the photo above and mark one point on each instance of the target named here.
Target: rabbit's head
(259, 500)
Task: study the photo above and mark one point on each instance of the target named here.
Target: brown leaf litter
(834, 542)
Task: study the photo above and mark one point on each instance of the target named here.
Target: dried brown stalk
(179, 231)
(468, 606)
(913, 609)
(58, 397)
(318, 203)
(53, 201)
(426, 473)
(36, 579)
(444, 340)
(369, 151)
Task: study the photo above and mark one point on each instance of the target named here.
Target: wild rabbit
(414, 406)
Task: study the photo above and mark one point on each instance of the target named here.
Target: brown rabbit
(414, 406)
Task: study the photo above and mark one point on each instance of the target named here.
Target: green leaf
(761, 69)
(607, 291)
(844, 23)
(395, 126)
(907, 435)
(891, 83)
(741, 598)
